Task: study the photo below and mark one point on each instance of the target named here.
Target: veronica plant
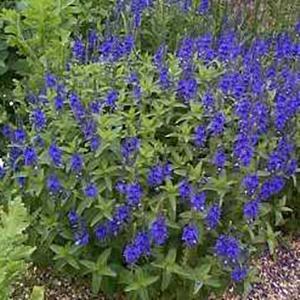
(157, 171)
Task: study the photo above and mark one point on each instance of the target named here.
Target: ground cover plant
(155, 164)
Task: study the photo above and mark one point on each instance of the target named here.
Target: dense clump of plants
(159, 175)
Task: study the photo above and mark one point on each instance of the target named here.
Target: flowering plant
(152, 171)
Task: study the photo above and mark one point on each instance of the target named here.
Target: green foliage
(13, 252)
(40, 30)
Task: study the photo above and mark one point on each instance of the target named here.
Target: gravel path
(279, 280)
(56, 288)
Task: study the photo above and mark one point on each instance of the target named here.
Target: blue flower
(167, 169)
(76, 163)
(204, 46)
(217, 124)
(186, 5)
(219, 159)
(91, 190)
(21, 180)
(187, 89)
(251, 209)
(213, 216)
(203, 7)
(59, 102)
(131, 254)
(271, 187)
(129, 146)
(113, 227)
(92, 40)
(73, 217)
(95, 143)
(283, 46)
(243, 150)
(228, 47)
(19, 136)
(7, 131)
(14, 154)
(190, 235)
(164, 80)
(134, 193)
(31, 98)
(107, 48)
(239, 273)
(227, 247)
(275, 162)
(159, 231)
(122, 214)
(111, 98)
(55, 155)
(101, 232)
(291, 167)
(38, 119)
(79, 228)
(186, 50)
(158, 57)
(198, 201)
(30, 156)
(53, 184)
(78, 50)
(155, 176)
(200, 136)
(137, 7)
(142, 242)
(89, 129)
(121, 187)
(226, 83)
(50, 80)
(139, 247)
(250, 183)
(184, 189)
(95, 106)
(208, 102)
(243, 109)
(77, 107)
(260, 114)
(128, 44)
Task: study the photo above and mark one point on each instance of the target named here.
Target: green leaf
(102, 260)
(149, 280)
(213, 282)
(166, 279)
(96, 283)
(90, 265)
(38, 293)
(57, 249)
